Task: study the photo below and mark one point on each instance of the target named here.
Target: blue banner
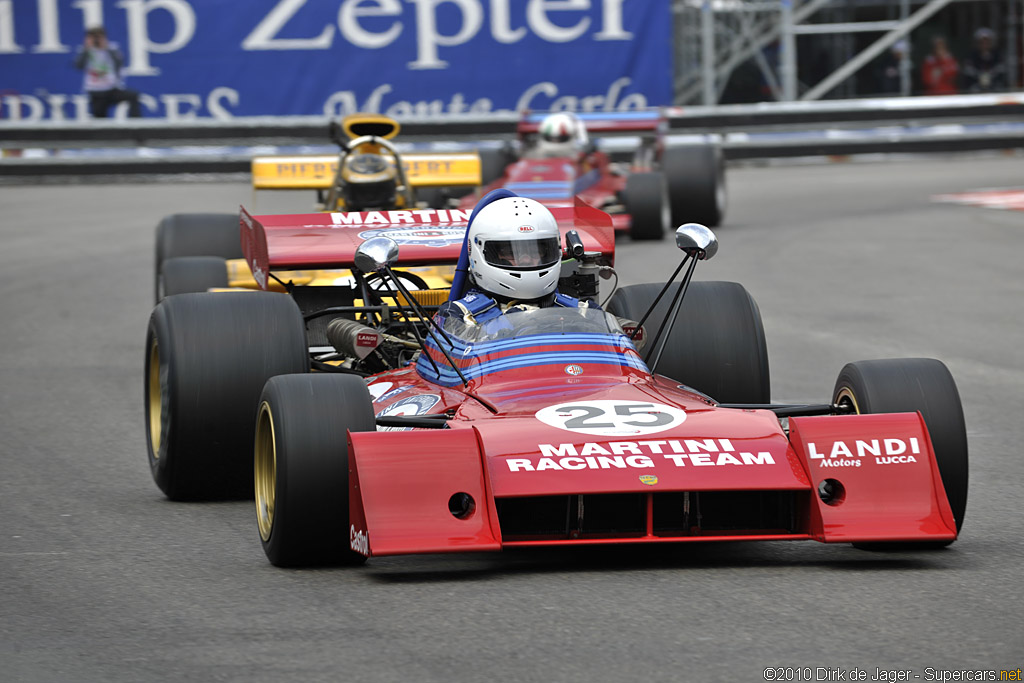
(225, 58)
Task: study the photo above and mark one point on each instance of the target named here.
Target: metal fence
(787, 50)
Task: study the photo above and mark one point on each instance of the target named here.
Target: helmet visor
(522, 254)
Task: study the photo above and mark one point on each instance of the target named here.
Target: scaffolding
(806, 50)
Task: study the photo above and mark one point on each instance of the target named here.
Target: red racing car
(660, 182)
(647, 422)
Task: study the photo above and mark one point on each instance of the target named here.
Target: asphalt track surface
(104, 580)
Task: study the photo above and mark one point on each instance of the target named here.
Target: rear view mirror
(376, 254)
(697, 241)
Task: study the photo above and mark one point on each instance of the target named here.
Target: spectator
(888, 74)
(984, 70)
(940, 70)
(102, 62)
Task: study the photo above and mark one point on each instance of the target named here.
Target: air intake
(674, 514)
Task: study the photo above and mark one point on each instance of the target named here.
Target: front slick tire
(301, 467)
(907, 385)
(208, 357)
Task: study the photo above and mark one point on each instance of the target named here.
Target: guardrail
(764, 130)
(876, 111)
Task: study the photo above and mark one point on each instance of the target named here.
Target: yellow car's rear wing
(318, 172)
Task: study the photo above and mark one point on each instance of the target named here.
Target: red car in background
(659, 184)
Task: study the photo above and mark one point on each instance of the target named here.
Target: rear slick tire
(717, 344)
(188, 274)
(648, 206)
(696, 183)
(196, 234)
(208, 356)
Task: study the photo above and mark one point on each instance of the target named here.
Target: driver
(514, 262)
(370, 183)
(561, 135)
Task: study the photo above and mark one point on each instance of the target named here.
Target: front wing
(407, 492)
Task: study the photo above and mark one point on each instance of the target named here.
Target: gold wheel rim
(156, 399)
(845, 395)
(265, 463)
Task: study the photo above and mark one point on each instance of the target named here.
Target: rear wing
(318, 172)
(424, 236)
(626, 122)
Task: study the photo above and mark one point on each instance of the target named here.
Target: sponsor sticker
(366, 342)
(422, 237)
(525, 228)
(260, 276)
(628, 329)
(853, 452)
(611, 417)
(391, 394)
(411, 405)
(358, 541)
(649, 479)
(573, 370)
(378, 389)
(640, 454)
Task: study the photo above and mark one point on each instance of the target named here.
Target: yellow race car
(199, 252)
(369, 173)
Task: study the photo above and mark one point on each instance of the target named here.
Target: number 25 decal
(612, 418)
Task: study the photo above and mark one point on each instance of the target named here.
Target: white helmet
(514, 249)
(561, 134)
